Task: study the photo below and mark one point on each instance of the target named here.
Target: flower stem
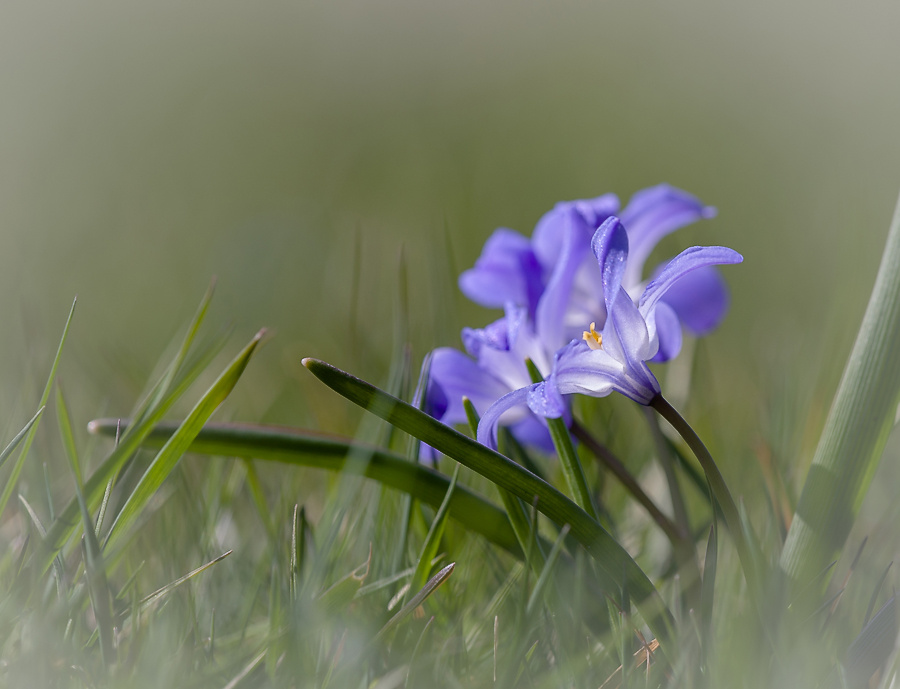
(719, 489)
(568, 460)
(612, 463)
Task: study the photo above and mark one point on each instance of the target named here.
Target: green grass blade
(177, 445)
(66, 521)
(612, 558)
(856, 430)
(707, 589)
(515, 510)
(29, 438)
(8, 450)
(65, 431)
(160, 593)
(546, 573)
(417, 600)
(433, 539)
(159, 391)
(317, 450)
(573, 472)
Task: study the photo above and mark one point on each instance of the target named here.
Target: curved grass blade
(612, 558)
(325, 451)
(856, 430)
(29, 438)
(870, 650)
(180, 441)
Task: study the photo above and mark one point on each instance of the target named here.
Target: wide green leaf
(317, 450)
(612, 558)
(855, 433)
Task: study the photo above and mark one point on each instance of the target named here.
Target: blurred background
(293, 148)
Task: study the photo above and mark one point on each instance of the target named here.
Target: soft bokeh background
(146, 146)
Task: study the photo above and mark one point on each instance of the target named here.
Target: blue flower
(614, 359)
(555, 277)
(550, 287)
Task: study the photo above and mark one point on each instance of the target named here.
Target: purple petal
(547, 239)
(487, 427)
(532, 432)
(610, 246)
(684, 263)
(454, 375)
(506, 271)
(581, 370)
(700, 299)
(495, 336)
(551, 310)
(653, 213)
(668, 333)
(544, 400)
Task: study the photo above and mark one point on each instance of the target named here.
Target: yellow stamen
(593, 338)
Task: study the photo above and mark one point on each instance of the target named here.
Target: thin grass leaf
(98, 585)
(67, 520)
(875, 593)
(300, 447)
(8, 450)
(856, 430)
(430, 587)
(162, 592)
(547, 572)
(393, 579)
(610, 556)
(58, 569)
(167, 458)
(32, 428)
(707, 591)
(433, 538)
(416, 650)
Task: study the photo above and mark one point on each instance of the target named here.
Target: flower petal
(653, 213)
(544, 400)
(684, 263)
(700, 299)
(454, 375)
(668, 333)
(552, 307)
(487, 427)
(585, 371)
(532, 432)
(506, 271)
(547, 239)
(610, 246)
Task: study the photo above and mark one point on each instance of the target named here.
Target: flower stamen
(593, 338)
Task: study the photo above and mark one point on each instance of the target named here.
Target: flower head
(614, 359)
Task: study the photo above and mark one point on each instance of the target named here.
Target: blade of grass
(856, 430)
(180, 441)
(160, 593)
(875, 593)
(433, 539)
(29, 438)
(58, 569)
(544, 578)
(318, 450)
(707, 590)
(610, 556)
(8, 450)
(67, 520)
(421, 596)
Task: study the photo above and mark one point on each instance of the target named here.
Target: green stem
(606, 457)
(719, 488)
(568, 460)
